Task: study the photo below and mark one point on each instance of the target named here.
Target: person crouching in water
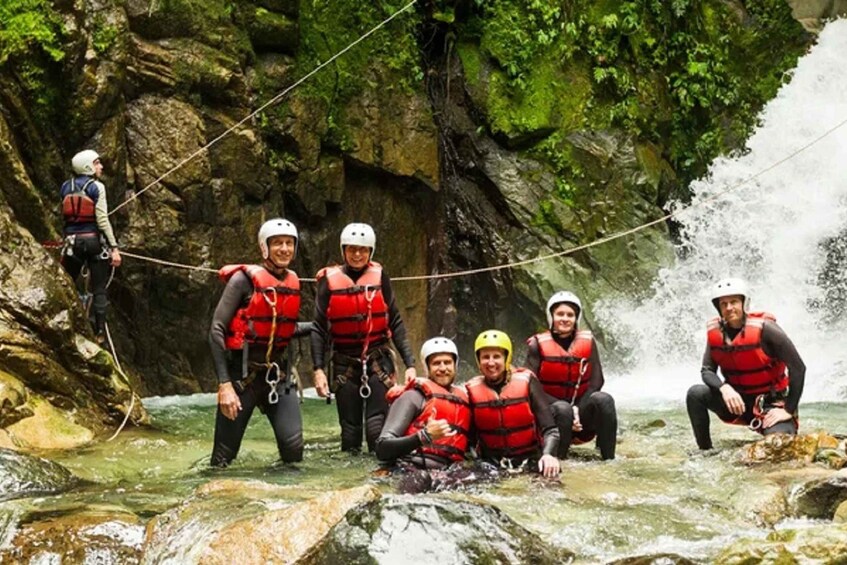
(567, 364)
(753, 354)
(253, 323)
(429, 419)
(509, 409)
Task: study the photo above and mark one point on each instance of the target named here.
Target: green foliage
(104, 36)
(327, 27)
(685, 74)
(29, 24)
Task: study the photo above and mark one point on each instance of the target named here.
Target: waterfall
(773, 231)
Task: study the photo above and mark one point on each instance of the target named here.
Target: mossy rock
(270, 31)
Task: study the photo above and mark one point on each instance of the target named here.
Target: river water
(660, 495)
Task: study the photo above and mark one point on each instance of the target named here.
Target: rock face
(23, 476)
(466, 145)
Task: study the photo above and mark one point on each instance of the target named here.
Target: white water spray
(769, 231)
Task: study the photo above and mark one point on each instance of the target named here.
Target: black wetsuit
(88, 244)
(544, 424)
(347, 367)
(597, 412)
(394, 445)
(284, 416)
(704, 397)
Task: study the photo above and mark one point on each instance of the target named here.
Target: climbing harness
(364, 388)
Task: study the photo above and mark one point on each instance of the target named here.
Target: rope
(126, 380)
(261, 108)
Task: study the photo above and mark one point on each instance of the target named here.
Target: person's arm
(101, 213)
(236, 294)
(392, 442)
(709, 371)
(543, 418)
(395, 322)
(777, 344)
(320, 325)
(596, 380)
(533, 356)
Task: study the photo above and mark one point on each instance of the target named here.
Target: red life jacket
(504, 423)
(357, 312)
(272, 298)
(743, 362)
(564, 373)
(77, 206)
(440, 403)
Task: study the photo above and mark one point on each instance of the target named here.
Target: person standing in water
(253, 323)
(763, 375)
(566, 361)
(356, 313)
(509, 410)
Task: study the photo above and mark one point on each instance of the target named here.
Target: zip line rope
(564, 252)
(261, 108)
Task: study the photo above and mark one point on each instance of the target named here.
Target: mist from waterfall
(774, 231)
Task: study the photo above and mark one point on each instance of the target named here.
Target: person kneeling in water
(509, 409)
(429, 419)
(763, 374)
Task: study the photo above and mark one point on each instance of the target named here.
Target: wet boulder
(820, 498)
(781, 448)
(807, 545)
(656, 559)
(92, 536)
(24, 475)
(407, 529)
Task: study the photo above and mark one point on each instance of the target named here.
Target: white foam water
(769, 231)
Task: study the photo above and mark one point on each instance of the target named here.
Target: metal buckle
(273, 395)
(365, 389)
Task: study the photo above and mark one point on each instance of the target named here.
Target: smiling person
(509, 410)
(355, 313)
(566, 361)
(253, 323)
(429, 420)
(763, 375)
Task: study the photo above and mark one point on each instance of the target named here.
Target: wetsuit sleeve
(709, 371)
(392, 443)
(320, 325)
(778, 345)
(596, 380)
(303, 329)
(533, 356)
(101, 213)
(543, 418)
(395, 322)
(236, 295)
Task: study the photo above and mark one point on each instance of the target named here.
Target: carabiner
(273, 395)
(755, 424)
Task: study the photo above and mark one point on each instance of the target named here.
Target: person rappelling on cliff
(763, 374)
(566, 361)
(356, 313)
(253, 323)
(509, 410)
(429, 420)
(89, 240)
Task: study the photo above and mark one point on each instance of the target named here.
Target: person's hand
(732, 400)
(577, 425)
(321, 384)
(115, 259)
(228, 401)
(409, 375)
(774, 416)
(437, 429)
(548, 466)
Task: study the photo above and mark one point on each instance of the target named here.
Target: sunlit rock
(410, 529)
(93, 536)
(780, 448)
(824, 544)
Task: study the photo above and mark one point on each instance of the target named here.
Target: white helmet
(358, 234)
(730, 287)
(83, 162)
(560, 297)
(271, 228)
(438, 345)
